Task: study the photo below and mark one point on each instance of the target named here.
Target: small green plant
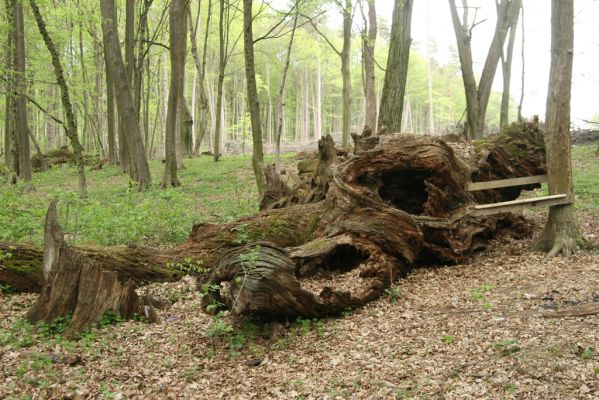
(510, 387)
(190, 267)
(243, 236)
(506, 347)
(596, 371)
(480, 295)
(588, 353)
(448, 339)
(110, 318)
(393, 294)
(57, 327)
(218, 327)
(7, 290)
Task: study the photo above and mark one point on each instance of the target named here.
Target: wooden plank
(501, 183)
(519, 205)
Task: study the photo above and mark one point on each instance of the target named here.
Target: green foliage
(506, 347)
(588, 353)
(393, 294)
(218, 327)
(510, 387)
(57, 327)
(448, 339)
(480, 295)
(190, 267)
(110, 318)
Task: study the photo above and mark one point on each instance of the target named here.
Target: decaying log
(77, 286)
(340, 231)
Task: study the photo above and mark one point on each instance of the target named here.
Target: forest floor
(475, 330)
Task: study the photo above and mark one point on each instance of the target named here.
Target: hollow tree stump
(76, 286)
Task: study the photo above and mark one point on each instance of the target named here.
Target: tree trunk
(358, 221)
(345, 71)
(506, 68)
(124, 100)
(216, 152)
(71, 127)
(252, 96)
(368, 46)
(281, 98)
(77, 287)
(21, 128)
(9, 99)
(522, 82)
(177, 35)
(477, 98)
(561, 234)
(394, 88)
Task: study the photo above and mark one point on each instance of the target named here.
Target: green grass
(585, 171)
(115, 213)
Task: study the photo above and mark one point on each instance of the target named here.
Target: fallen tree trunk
(338, 235)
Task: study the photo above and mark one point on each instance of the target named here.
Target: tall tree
(394, 87)
(21, 126)
(506, 68)
(347, 11)
(368, 75)
(222, 63)
(177, 35)
(561, 230)
(477, 96)
(10, 147)
(71, 123)
(252, 96)
(280, 99)
(140, 171)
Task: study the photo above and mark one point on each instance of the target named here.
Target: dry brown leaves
(458, 332)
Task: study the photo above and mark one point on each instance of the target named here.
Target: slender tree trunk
(9, 121)
(124, 100)
(390, 114)
(177, 33)
(345, 71)
(561, 232)
(221, 80)
(368, 46)
(523, 65)
(429, 71)
(252, 96)
(506, 67)
(71, 127)
(22, 130)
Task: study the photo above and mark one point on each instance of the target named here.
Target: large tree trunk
(561, 232)
(346, 230)
(124, 100)
(394, 88)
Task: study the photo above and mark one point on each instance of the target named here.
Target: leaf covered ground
(477, 330)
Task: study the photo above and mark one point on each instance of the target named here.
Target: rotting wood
(356, 223)
(77, 286)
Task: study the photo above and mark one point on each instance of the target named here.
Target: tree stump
(76, 286)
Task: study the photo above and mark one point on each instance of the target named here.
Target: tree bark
(506, 68)
(177, 33)
(281, 98)
(21, 128)
(368, 46)
(477, 97)
(252, 96)
(365, 219)
(216, 152)
(123, 96)
(71, 127)
(561, 233)
(394, 87)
